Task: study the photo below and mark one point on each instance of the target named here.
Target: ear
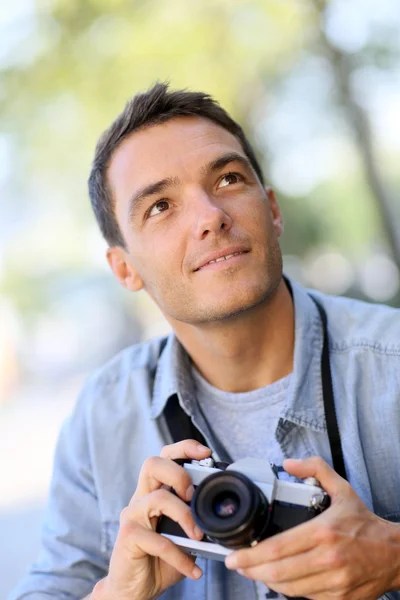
(123, 269)
(277, 219)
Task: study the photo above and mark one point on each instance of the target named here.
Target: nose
(209, 217)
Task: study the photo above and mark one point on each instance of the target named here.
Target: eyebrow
(224, 160)
(160, 186)
(152, 189)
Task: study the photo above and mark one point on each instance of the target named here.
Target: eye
(230, 179)
(157, 208)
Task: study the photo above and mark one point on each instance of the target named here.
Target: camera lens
(231, 509)
(226, 504)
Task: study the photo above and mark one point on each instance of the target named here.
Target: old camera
(240, 504)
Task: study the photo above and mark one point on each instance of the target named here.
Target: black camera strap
(332, 426)
(181, 426)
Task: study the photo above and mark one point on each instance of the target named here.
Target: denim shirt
(118, 422)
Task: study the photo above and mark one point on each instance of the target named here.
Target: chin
(224, 311)
(222, 305)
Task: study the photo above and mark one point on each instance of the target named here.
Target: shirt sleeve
(72, 558)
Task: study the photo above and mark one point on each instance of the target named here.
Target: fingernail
(189, 493)
(202, 448)
(231, 562)
(197, 572)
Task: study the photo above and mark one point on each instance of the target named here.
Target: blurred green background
(316, 86)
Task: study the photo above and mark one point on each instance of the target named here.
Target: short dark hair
(155, 106)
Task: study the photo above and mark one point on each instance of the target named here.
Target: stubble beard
(211, 314)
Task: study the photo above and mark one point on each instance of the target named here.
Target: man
(179, 196)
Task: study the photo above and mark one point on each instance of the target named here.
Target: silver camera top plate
(261, 473)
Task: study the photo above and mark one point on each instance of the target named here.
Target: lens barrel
(231, 509)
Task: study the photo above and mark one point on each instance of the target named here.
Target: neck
(248, 352)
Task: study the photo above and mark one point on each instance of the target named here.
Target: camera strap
(332, 426)
(181, 427)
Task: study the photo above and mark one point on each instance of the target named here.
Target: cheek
(161, 256)
(255, 217)
(253, 205)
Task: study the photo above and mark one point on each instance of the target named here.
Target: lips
(220, 256)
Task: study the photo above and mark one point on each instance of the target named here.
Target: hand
(345, 553)
(144, 563)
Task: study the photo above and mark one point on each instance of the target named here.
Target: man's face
(185, 194)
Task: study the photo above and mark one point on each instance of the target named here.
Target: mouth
(222, 259)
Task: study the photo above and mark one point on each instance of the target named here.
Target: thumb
(316, 467)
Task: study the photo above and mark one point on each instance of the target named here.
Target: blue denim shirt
(118, 422)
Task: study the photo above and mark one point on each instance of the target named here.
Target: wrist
(103, 591)
(394, 537)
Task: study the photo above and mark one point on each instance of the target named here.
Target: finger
(292, 542)
(157, 471)
(185, 449)
(324, 584)
(316, 560)
(316, 467)
(141, 542)
(162, 502)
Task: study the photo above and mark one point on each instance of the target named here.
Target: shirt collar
(304, 404)
(172, 376)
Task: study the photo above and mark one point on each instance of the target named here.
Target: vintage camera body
(240, 504)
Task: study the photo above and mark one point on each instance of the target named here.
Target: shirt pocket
(109, 535)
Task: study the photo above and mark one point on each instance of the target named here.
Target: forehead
(177, 148)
